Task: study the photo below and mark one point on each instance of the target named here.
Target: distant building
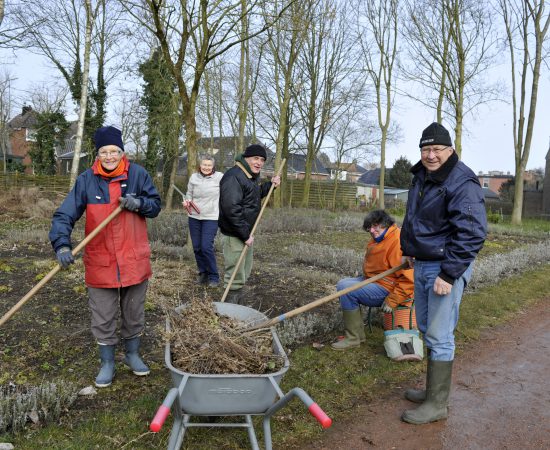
(345, 171)
(494, 180)
(21, 136)
(546, 188)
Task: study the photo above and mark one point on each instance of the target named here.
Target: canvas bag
(403, 345)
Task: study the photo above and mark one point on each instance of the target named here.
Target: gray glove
(130, 203)
(386, 308)
(64, 257)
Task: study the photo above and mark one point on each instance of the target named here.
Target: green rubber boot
(354, 330)
(437, 395)
(419, 395)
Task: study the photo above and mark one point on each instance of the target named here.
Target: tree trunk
(83, 95)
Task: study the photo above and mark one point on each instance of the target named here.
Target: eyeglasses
(435, 151)
(104, 155)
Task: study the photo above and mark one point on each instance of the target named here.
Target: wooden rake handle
(245, 249)
(56, 269)
(326, 299)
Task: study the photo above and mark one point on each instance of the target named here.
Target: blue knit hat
(108, 136)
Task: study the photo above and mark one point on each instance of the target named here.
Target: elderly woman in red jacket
(116, 261)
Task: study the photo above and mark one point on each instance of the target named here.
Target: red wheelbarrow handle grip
(164, 411)
(320, 415)
(158, 421)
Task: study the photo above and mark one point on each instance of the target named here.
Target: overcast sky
(487, 141)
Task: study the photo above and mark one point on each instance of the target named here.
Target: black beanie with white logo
(435, 134)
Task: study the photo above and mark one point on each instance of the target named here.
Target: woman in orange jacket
(383, 252)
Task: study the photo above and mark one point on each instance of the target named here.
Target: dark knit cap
(435, 134)
(255, 150)
(108, 136)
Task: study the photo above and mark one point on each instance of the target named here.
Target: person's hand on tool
(249, 241)
(64, 257)
(441, 287)
(130, 203)
(386, 308)
(409, 260)
(276, 180)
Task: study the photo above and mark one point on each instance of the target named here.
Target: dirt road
(500, 399)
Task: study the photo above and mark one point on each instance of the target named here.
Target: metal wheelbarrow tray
(229, 395)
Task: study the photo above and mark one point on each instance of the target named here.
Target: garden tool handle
(320, 415)
(245, 249)
(164, 411)
(56, 269)
(328, 298)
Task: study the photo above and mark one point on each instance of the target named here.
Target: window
(485, 182)
(30, 135)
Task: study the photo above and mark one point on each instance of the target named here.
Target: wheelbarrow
(235, 395)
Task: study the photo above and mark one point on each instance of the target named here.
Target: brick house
(21, 136)
(494, 180)
(346, 171)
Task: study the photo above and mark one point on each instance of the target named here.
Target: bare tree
(526, 23)
(354, 139)
(379, 48)
(90, 16)
(191, 34)
(67, 33)
(450, 59)
(284, 42)
(328, 77)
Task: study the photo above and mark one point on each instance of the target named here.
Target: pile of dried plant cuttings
(203, 342)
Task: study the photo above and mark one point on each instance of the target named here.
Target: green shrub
(494, 216)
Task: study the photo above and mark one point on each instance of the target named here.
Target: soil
(499, 399)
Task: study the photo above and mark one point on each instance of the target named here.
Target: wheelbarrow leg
(178, 430)
(251, 433)
(314, 409)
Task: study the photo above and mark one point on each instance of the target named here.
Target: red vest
(119, 255)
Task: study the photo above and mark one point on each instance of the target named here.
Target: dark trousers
(203, 233)
(105, 304)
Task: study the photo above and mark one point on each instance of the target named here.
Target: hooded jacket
(383, 255)
(240, 200)
(119, 255)
(445, 218)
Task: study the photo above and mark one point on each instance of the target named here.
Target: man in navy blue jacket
(444, 228)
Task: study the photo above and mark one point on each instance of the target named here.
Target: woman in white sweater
(203, 191)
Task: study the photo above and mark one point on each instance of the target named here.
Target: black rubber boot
(202, 278)
(437, 395)
(354, 330)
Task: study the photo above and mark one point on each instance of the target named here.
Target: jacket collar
(241, 166)
(441, 174)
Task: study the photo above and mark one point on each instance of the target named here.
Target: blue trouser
(437, 315)
(370, 295)
(203, 233)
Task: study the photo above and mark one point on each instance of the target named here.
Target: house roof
(394, 191)
(371, 176)
(27, 119)
(348, 167)
(488, 193)
(70, 155)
